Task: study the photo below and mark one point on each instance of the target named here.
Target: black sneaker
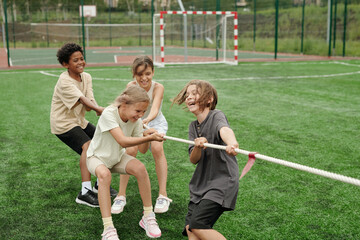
(113, 192)
(89, 198)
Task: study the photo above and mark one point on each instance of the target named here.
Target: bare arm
(228, 136)
(145, 146)
(158, 96)
(197, 150)
(125, 141)
(91, 105)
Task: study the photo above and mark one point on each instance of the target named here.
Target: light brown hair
(140, 61)
(206, 92)
(132, 94)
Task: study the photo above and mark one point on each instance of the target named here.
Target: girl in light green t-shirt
(120, 126)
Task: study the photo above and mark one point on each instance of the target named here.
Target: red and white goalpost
(201, 37)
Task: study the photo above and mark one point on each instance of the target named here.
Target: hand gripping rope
(254, 155)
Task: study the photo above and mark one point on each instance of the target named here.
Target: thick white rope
(316, 171)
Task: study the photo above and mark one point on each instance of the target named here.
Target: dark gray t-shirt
(216, 176)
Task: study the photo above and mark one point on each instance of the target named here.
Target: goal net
(195, 37)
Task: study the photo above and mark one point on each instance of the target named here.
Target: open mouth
(144, 82)
(191, 103)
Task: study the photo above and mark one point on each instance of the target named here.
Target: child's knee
(157, 148)
(140, 170)
(158, 154)
(103, 173)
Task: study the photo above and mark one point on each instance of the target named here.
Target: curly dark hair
(64, 53)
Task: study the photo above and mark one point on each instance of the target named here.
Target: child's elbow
(123, 144)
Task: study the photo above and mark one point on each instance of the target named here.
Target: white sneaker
(110, 234)
(162, 204)
(150, 225)
(118, 205)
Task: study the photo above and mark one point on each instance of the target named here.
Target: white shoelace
(120, 203)
(163, 200)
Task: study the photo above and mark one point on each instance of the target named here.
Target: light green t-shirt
(103, 145)
(64, 116)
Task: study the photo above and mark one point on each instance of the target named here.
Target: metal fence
(32, 31)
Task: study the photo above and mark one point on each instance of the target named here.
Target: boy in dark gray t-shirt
(215, 182)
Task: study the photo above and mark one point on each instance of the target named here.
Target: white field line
(103, 79)
(178, 66)
(62, 70)
(225, 79)
(48, 73)
(31, 59)
(347, 64)
(227, 66)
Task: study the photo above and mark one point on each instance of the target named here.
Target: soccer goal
(195, 37)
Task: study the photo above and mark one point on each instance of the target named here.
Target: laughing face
(192, 95)
(144, 76)
(76, 64)
(132, 112)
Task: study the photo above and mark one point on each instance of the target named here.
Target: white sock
(85, 186)
(147, 210)
(107, 222)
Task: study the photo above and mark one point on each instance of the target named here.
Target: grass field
(303, 112)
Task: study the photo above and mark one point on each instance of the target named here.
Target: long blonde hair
(132, 94)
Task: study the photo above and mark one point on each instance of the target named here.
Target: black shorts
(202, 215)
(77, 137)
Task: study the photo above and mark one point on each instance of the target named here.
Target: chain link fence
(32, 31)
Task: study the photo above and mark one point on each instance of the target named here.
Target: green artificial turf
(302, 112)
